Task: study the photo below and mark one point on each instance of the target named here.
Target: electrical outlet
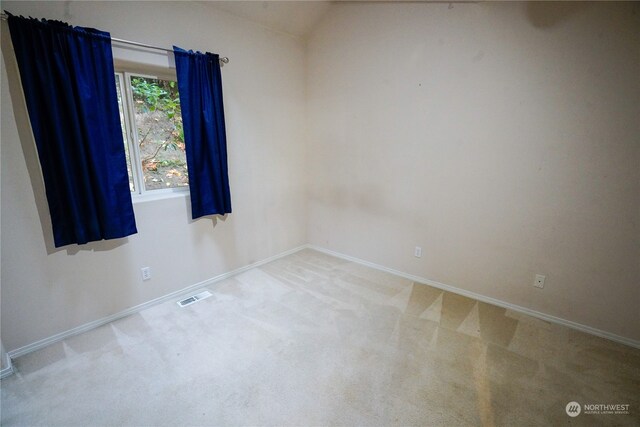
(146, 273)
(418, 252)
(539, 281)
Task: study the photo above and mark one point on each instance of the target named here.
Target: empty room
(320, 213)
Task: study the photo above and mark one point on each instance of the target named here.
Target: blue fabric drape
(68, 81)
(200, 87)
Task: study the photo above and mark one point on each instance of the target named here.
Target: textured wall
(44, 294)
(503, 138)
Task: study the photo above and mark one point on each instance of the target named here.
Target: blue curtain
(200, 87)
(68, 81)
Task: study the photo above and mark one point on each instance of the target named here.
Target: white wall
(503, 138)
(44, 294)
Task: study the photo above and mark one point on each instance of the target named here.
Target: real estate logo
(573, 409)
(606, 408)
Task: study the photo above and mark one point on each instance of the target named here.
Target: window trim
(140, 193)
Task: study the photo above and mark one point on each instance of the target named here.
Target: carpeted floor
(315, 340)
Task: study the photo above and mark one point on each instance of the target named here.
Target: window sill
(160, 195)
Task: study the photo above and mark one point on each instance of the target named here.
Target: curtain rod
(223, 59)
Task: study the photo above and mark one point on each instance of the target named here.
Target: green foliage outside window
(160, 132)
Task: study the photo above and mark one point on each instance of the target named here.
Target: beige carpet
(314, 340)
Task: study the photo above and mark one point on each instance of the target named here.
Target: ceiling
(296, 17)
(293, 17)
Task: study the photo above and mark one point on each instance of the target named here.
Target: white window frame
(140, 193)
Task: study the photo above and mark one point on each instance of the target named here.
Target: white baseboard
(8, 370)
(549, 318)
(173, 295)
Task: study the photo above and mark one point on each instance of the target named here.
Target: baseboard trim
(8, 370)
(173, 295)
(543, 316)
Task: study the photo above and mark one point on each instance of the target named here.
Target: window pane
(124, 133)
(160, 136)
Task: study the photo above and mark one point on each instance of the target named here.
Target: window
(152, 132)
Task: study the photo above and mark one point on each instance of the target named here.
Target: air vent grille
(194, 298)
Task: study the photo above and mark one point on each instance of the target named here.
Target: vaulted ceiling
(292, 17)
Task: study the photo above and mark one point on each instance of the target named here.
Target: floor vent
(194, 298)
